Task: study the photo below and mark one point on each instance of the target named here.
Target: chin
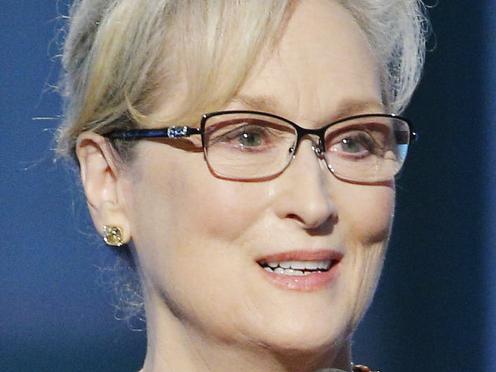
(308, 345)
(308, 334)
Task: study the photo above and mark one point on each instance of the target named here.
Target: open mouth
(298, 268)
(302, 270)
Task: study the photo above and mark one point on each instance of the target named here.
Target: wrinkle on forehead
(345, 108)
(322, 69)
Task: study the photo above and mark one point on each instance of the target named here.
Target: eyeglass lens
(254, 146)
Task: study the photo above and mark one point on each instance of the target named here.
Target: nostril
(294, 216)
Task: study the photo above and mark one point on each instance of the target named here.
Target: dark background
(436, 303)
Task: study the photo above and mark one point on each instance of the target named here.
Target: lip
(306, 283)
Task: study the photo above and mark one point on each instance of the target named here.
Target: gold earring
(112, 235)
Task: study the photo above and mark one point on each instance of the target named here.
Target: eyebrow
(351, 107)
(347, 107)
(258, 103)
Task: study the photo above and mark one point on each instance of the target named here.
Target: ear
(103, 182)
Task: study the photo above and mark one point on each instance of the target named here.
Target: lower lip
(305, 283)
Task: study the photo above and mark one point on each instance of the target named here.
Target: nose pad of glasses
(292, 150)
(318, 149)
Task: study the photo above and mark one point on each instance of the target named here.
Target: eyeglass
(252, 145)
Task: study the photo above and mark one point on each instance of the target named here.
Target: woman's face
(200, 239)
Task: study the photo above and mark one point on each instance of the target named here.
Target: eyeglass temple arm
(168, 132)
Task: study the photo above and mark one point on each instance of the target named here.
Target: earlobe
(102, 179)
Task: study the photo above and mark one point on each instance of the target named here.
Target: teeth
(291, 272)
(297, 268)
(301, 265)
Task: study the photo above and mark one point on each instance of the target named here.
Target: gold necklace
(361, 368)
(354, 368)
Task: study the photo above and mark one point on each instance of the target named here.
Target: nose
(305, 194)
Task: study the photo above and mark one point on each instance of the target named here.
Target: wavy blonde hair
(121, 56)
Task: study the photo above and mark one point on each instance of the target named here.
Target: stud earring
(112, 235)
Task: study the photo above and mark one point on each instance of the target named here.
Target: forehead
(322, 68)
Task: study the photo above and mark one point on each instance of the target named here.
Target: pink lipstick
(301, 270)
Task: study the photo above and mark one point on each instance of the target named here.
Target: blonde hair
(397, 31)
(121, 57)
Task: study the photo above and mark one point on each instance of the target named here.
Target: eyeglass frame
(183, 131)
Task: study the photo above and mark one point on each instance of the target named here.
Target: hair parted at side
(120, 55)
(123, 58)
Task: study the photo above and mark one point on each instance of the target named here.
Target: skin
(197, 237)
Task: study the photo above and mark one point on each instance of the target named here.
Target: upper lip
(302, 255)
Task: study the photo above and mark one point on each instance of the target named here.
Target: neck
(176, 345)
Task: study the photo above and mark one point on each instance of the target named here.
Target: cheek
(226, 209)
(183, 219)
(367, 212)
(179, 194)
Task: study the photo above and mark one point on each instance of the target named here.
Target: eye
(249, 136)
(355, 144)
(245, 136)
(233, 135)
